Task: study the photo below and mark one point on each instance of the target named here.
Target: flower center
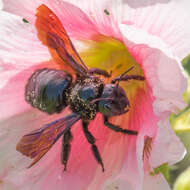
(112, 55)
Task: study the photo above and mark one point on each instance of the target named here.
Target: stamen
(147, 147)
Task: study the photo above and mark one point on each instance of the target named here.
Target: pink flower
(114, 35)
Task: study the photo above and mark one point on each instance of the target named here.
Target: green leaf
(164, 169)
(181, 121)
(186, 63)
(183, 181)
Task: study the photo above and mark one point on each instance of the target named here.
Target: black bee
(51, 90)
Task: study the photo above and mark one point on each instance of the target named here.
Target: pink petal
(104, 14)
(119, 182)
(11, 131)
(166, 140)
(24, 9)
(76, 22)
(12, 95)
(1, 4)
(19, 43)
(146, 15)
(156, 58)
(133, 166)
(12, 98)
(157, 182)
(166, 19)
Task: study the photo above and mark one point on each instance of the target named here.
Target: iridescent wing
(52, 34)
(37, 143)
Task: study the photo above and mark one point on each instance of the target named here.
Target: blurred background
(178, 175)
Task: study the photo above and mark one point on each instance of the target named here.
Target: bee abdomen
(48, 89)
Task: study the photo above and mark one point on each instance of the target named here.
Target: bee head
(113, 100)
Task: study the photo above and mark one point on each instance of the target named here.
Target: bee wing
(52, 34)
(37, 143)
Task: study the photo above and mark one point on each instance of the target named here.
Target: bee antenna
(126, 72)
(120, 77)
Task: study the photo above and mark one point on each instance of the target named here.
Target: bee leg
(66, 147)
(99, 72)
(117, 128)
(92, 140)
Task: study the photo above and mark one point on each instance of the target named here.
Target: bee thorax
(82, 95)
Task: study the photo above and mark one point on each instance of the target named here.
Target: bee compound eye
(46, 90)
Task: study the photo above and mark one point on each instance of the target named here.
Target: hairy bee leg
(117, 128)
(127, 77)
(66, 147)
(99, 72)
(92, 140)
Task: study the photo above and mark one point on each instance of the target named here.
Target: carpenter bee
(51, 91)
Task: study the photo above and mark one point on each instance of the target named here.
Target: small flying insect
(52, 90)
